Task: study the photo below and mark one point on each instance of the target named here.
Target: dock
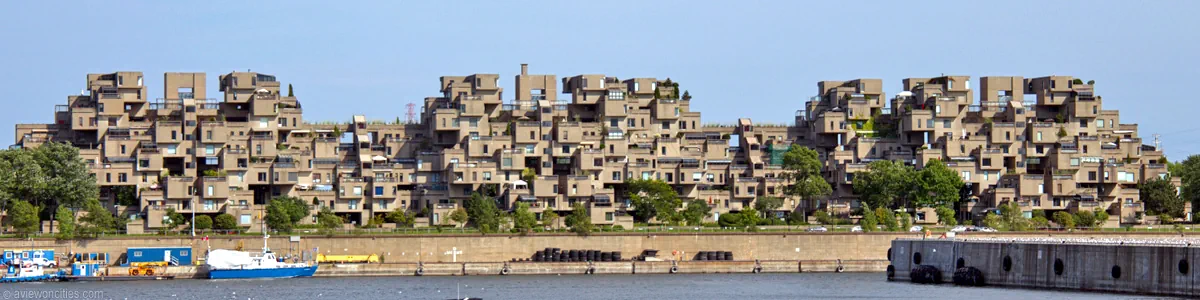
(1150, 266)
(116, 278)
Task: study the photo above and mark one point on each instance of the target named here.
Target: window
(1041, 188)
(210, 149)
(612, 122)
(598, 162)
(170, 149)
(378, 191)
(616, 175)
(263, 122)
(945, 123)
(966, 175)
(929, 123)
(666, 125)
(696, 176)
(1074, 162)
(245, 219)
(209, 190)
(1039, 138)
(616, 95)
(358, 191)
(1099, 123)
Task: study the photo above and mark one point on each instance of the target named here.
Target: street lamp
(193, 217)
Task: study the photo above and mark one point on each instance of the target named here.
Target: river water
(679, 286)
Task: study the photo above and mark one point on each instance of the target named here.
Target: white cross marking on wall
(454, 252)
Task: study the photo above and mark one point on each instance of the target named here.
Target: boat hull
(263, 273)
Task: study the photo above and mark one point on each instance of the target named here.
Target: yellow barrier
(370, 258)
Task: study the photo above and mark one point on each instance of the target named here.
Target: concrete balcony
(214, 187)
(179, 187)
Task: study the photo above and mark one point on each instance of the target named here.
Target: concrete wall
(1143, 269)
(500, 248)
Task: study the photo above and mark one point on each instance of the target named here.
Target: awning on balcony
(602, 198)
(379, 158)
(751, 140)
(529, 198)
(520, 183)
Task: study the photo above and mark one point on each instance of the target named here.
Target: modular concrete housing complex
(1044, 143)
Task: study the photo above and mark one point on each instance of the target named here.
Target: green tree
(459, 216)
(994, 221)
(174, 220)
(653, 199)
(1039, 222)
(937, 185)
(126, 195)
(523, 219)
(1012, 218)
(482, 213)
(580, 219)
(1101, 217)
(905, 221)
(1085, 218)
(203, 222)
(695, 212)
(887, 218)
(97, 221)
(946, 215)
(869, 220)
(225, 221)
(1161, 198)
(25, 218)
(803, 172)
(278, 218)
(528, 175)
(290, 91)
(883, 182)
(1064, 219)
(749, 218)
(66, 223)
(1189, 173)
(766, 205)
(401, 217)
(796, 218)
(550, 218)
(328, 221)
(823, 217)
(68, 180)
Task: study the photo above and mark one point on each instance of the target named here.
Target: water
(679, 286)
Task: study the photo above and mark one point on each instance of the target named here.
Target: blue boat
(229, 264)
(262, 273)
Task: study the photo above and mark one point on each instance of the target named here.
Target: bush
(225, 222)
(1064, 219)
(946, 216)
(796, 218)
(730, 220)
(203, 222)
(823, 217)
(887, 218)
(1085, 218)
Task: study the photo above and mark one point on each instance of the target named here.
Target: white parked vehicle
(915, 229)
(987, 229)
(856, 229)
(43, 262)
(818, 229)
(959, 228)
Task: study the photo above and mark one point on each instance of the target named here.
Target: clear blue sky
(757, 59)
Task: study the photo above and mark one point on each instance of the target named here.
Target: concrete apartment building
(232, 155)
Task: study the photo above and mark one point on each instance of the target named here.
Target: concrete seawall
(501, 248)
(1116, 265)
(560, 268)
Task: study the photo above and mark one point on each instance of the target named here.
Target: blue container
(90, 270)
(10, 255)
(174, 256)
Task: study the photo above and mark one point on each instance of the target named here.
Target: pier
(1154, 266)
